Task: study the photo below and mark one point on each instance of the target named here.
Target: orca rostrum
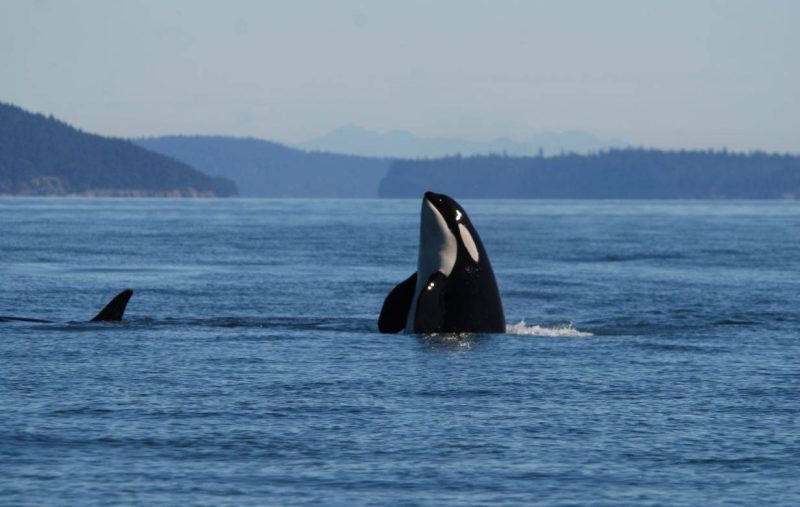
(454, 289)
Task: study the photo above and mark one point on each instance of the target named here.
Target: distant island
(266, 169)
(42, 156)
(613, 174)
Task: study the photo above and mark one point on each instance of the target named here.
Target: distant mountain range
(40, 155)
(402, 144)
(266, 169)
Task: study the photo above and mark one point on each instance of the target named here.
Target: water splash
(522, 329)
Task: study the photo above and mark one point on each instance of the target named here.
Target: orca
(454, 289)
(112, 312)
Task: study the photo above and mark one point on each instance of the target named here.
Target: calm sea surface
(652, 358)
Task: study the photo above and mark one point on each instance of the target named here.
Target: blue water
(652, 358)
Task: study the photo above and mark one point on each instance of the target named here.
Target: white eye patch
(469, 243)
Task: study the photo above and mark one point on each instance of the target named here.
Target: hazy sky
(671, 73)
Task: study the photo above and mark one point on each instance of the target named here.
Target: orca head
(433, 301)
(448, 245)
(449, 225)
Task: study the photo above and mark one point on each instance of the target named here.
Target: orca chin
(454, 289)
(112, 312)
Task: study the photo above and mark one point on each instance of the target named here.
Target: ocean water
(652, 356)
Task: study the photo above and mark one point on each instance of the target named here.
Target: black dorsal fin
(396, 305)
(115, 309)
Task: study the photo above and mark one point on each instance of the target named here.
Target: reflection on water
(452, 342)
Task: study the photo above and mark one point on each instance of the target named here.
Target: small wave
(734, 322)
(523, 329)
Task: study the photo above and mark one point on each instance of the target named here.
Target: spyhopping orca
(454, 289)
(112, 312)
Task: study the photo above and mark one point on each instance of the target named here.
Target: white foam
(522, 329)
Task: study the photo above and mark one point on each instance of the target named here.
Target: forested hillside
(266, 169)
(615, 174)
(40, 155)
